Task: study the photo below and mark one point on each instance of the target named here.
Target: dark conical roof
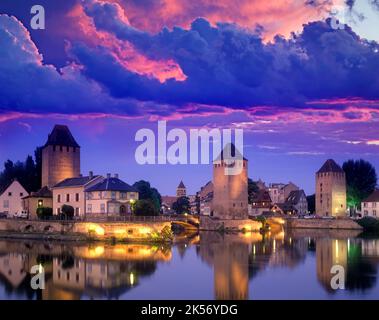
(181, 185)
(330, 166)
(61, 136)
(229, 153)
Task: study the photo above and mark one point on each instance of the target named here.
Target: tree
(67, 211)
(28, 173)
(145, 207)
(361, 180)
(252, 189)
(181, 205)
(44, 212)
(311, 203)
(146, 192)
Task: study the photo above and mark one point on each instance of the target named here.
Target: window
(21, 194)
(122, 195)
(6, 204)
(100, 195)
(77, 277)
(102, 208)
(67, 197)
(365, 204)
(89, 207)
(113, 195)
(58, 210)
(9, 194)
(366, 213)
(77, 211)
(374, 204)
(40, 203)
(77, 197)
(59, 198)
(374, 213)
(60, 148)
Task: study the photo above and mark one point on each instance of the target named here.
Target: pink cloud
(277, 17)
(123, 51)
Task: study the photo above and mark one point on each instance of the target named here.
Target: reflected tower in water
(330, 252)
(229, 257)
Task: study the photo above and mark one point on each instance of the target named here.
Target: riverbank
(319, 223)
(87, 231)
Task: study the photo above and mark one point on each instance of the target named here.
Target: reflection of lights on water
(290, 240)
(337, 253)
(348, 245)
(274, 246)
(131, 278)
(254, 250)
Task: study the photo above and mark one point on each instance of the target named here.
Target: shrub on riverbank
(44, 212)
(369, 224)
(67, 212)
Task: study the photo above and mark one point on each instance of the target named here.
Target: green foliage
(181, 205)
(369, 224)
(67, 211)
(28, 173)
(44, 212)
(252, 189)
(361, 181)
(146, 192)
(145, 208)
(312, 203)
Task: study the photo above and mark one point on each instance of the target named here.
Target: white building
(110, 196)
(370, 206)
(279, 192)
(11, 198)
(71, 192)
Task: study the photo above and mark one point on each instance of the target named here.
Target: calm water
(207, 266)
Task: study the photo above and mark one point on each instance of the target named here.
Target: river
(291, 265)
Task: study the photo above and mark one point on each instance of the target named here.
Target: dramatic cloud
(208, 68)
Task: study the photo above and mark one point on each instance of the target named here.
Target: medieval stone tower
(60, 157)
(181, 190)
(331, 190)
(230, 197)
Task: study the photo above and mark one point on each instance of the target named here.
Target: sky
(299, 77)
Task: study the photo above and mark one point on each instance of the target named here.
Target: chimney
(90, 174)
(108, 175)
(116, 175)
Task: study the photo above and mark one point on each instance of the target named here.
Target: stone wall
(212, 224)
(122, 231)
(347, 224)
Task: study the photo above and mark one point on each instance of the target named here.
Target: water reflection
(238, 264)
(101, 271)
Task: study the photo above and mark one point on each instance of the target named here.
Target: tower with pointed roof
(181, 190)
(331, 190)
(230, 196)
(60, 157)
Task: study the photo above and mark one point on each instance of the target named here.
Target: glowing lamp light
(97, 229)
(144, 230)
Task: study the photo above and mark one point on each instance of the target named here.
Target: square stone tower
(230, 197)
(331, 190)
(181, 190)
(60, 157)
